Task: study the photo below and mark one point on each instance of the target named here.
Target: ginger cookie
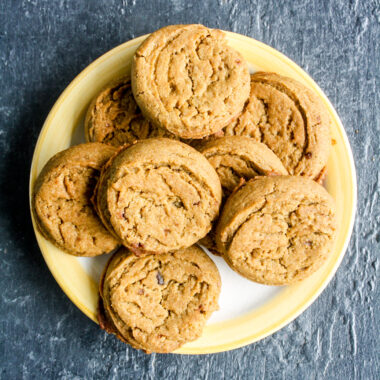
(62, 205)
(114, 118)
(157, 303)
(158, 195)
(277, 230)
(290, 119)
(235, 158)
(186, 79)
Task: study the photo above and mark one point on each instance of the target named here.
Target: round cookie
(158, 195)
(62, 200)
(185, 78)
(114, 118)
(157, 303)
(290, 119)
(237, 157)
(277, 230)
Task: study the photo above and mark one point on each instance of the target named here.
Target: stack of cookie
(190, 149)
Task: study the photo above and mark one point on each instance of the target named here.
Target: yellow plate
(275, 311)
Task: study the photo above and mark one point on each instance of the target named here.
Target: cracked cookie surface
(157, 303)
(62, 205)
(114, 118)
(235, 158)
(290, 119)
(186, 79)
(277, 230)
(158, 195)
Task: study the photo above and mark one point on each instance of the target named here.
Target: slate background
(43, 46)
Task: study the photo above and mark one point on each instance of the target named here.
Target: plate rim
(353, 179)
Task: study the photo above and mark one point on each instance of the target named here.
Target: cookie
(114, 118)
(186, 79)
(236, 157)
(62, 205)
(157, 303)
(158, 195)
(277, 230)
(290, 119)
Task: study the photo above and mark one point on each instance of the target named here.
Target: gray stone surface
(43, 46)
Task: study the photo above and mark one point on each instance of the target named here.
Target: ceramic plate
(248, 311)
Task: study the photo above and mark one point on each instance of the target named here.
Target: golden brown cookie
(157, 303)
(61, 200)
(114, 118)
(158, 195)
(290, 119)
(185, 78)
(236, 157)
(277, 230)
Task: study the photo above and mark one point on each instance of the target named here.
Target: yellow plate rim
(292, 313)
